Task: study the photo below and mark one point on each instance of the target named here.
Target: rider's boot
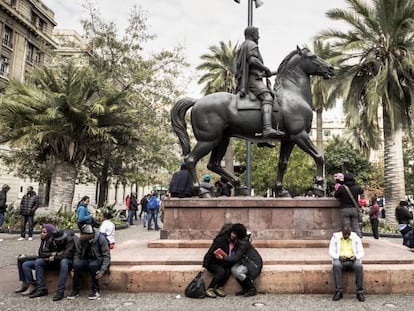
(268, 131)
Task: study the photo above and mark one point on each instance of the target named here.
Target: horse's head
(314, 65)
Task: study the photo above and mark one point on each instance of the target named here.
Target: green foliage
(299, 175)
(358, 165)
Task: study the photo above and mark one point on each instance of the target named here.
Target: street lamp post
(258, 3)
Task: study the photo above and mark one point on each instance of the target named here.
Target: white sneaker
(94, 295)
(20, 239)
(30, 239)
(1, 240)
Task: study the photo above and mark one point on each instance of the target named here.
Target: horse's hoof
(241, 191)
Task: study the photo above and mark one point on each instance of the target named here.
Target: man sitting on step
(346, 251)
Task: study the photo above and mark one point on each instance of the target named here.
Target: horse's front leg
(286, 148)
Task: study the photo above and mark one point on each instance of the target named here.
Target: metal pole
(248, 143)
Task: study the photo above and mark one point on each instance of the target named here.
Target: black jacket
(29, 204)
(3, 199)
(66, 249)
(342, 195)
(133, 204)
(180, 185)
(247, 255)
(220, 241)
(403, 215)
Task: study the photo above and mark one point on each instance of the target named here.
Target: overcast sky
(198, 24)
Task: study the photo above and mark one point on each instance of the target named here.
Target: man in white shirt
(347, 251)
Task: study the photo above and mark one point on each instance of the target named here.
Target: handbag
(354, 202)
(196, 288)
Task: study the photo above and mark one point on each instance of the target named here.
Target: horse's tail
(179, 126)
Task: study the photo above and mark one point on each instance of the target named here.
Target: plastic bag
(196, 288)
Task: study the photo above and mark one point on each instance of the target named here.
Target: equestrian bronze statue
(218, 116)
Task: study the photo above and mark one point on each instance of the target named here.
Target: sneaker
(20, 239)
(30, 289)
(73, 295)
(39, 293)
(220, 292)
(94, 295)
(30, 239)
(58, 296)
(210, 293)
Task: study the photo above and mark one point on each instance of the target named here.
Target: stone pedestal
(267, 218)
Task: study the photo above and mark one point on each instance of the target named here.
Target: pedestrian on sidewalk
(91, 254)
(374, 216)
(28, 207)
(144, 211)
(153, 207)
(3, 205)
(25, 263)
(346, 250)
(133, 207)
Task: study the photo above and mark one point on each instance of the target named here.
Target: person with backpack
(153, 207)
(91, 254)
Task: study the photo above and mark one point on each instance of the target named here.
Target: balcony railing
(7, 43)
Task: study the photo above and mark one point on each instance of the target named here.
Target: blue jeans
(26, 219)
(91, 265)
(63, 266)
(153, 215)
(1, 219)
(25, 271)
(131, 214)
(144, 219)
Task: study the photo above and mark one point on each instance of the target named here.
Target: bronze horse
(216, 117)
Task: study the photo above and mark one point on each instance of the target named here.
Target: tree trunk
(103, 184)
(62, 187)
(394, 185)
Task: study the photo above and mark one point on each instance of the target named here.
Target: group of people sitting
(232, 253)
(63, 251)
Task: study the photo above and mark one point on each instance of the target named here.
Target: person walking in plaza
(144, 211)
(153, 207)
(220, 270)
(3, 205)
(133, 208)
(108, 228)
(28, 207)
(347, 194)
(346, 250)
(84, 216)
(180, 184)
(25, 263)
(91, 254)
(374, 216)
(59, 257)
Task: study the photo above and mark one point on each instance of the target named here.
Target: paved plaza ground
(10, 248)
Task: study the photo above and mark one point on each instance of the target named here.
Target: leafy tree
(61, 111)
(357, 164)
(299, 174)
(376, 77)
(220, 78)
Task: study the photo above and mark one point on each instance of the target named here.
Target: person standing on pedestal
(346, 251)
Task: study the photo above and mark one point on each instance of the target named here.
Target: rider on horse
(249, 72)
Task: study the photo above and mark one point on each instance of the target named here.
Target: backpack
(106, 239)
(153, 203)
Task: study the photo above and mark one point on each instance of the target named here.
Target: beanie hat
(206, 177)
(86, 229)
(183, 166)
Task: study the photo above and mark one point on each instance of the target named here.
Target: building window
(7, 36)
(327, 133)
(4, 66)
(30, 52)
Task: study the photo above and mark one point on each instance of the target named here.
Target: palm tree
(321, 95)
(66, 111)
(220, 78)
(376, 76)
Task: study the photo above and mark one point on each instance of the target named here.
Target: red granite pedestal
(267, 218)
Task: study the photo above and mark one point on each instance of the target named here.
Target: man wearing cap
(60, 259)
(91, 254)
(3, 205)
(205, 184)
(180, 184)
